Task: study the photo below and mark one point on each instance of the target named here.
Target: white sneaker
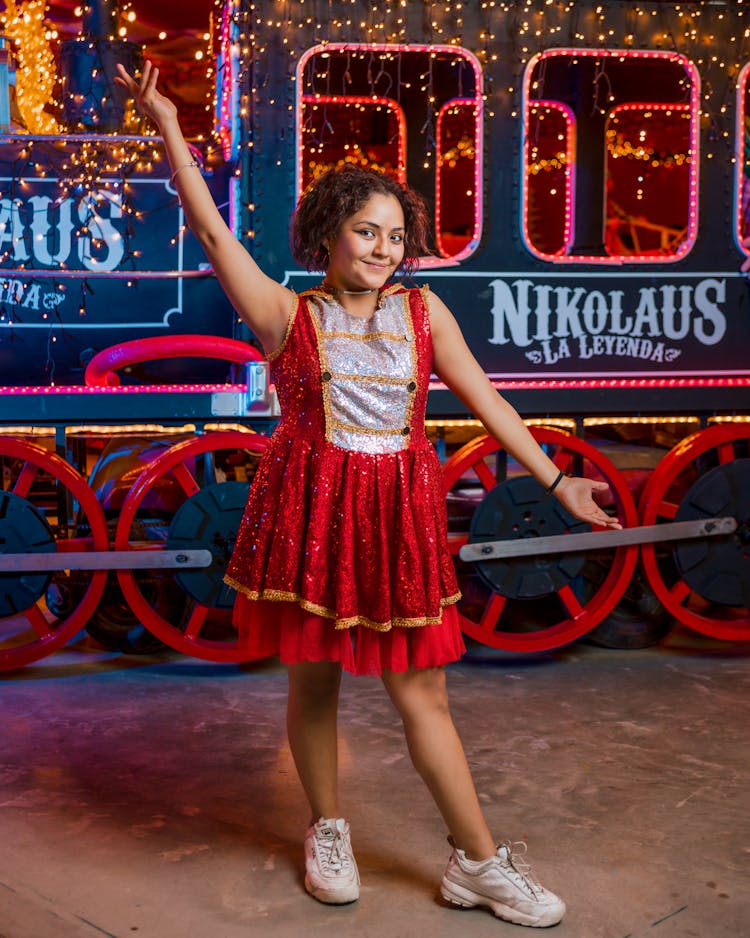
(503, 883)
(331, 870)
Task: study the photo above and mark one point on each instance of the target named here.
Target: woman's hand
(577, 495)
(147, 99)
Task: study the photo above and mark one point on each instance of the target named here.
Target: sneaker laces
(514, 859)
(333, 850)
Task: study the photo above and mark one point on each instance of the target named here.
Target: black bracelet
(558, 480)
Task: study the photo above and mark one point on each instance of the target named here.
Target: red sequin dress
(342, 553)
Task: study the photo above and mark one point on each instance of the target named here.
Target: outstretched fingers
(139, 90)
(577, 494)
(602, 517)
(597, 515)
(125, 79)
(145, 74)
(149, 82)
(593, 514)
(604, 521)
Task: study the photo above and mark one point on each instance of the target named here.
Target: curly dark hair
(336, 195)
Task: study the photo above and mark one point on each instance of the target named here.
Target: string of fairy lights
(619, 146)
(491, 29)
(82, 167)
(531, 24)
(502, 35)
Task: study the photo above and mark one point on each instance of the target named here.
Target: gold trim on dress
(324, 369)
(386, 291)
(272, 356)
(414, 379)
(367, 336)
(372, 379)
(344, 623)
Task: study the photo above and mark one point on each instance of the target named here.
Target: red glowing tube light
(742, 183)
(740, 381)
(631, 383)
(570, 159)
(227, 92)
(94, 391)
(694, 109)
(449, 108)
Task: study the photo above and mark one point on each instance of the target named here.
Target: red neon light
(125, 389)
(449, 107)
(694, 110)
(505, 385)
(742, 184)
(550, 384)
(570, 158)
(510, 384)
(227, 92)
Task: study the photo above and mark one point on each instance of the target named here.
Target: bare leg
(438, 755)
(312, 709)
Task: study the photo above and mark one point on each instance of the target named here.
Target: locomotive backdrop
(586, 168)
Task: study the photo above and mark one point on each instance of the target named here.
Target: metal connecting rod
(105, 560)
(596, 540)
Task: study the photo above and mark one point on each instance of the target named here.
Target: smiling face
(369, 245)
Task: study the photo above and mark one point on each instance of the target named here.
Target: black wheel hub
(518, 508)
(718, 568)
(23, 530)
(210, 520)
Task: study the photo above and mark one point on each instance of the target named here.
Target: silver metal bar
(105, 560)
(45, 273)
(594, 540)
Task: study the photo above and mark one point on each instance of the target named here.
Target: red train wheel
(705, 584)
(45, 507)
(537, 604)
(211, 475)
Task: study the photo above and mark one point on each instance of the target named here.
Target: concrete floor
(157, 798)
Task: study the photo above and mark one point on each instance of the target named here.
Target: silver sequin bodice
(368, 373)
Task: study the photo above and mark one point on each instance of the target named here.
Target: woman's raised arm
(262, 302)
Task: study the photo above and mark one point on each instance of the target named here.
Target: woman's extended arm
(262, 302)
(461, 372)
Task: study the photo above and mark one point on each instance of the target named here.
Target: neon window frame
(570, 177)
(301, 99)
(643, 106)
(743, 244)
(691, 71)
(476, 233)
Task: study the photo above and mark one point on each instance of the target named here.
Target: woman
(341, 559)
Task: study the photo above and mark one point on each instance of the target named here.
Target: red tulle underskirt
(269, 627)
